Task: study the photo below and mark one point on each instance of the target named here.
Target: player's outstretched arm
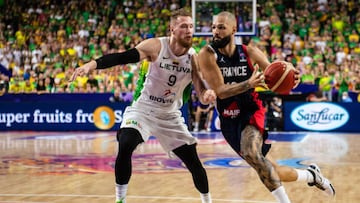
(147, 49)
(83, 70)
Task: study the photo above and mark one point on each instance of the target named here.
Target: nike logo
(164, 57)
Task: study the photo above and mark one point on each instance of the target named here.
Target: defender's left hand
(209, 96)
(296, 78)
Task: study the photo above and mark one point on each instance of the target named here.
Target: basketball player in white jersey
(158, 100)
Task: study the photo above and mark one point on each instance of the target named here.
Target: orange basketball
(279, 77)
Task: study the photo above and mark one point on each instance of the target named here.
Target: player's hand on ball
(256, 79)
(280, 77)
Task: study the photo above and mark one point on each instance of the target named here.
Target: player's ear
(234, 29)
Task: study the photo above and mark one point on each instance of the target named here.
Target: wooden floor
(77, 167)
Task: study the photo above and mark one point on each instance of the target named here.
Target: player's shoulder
(149, 48)
(207, 49)
(249, 47)
(192, 51)
(151, 43)
(155, 40)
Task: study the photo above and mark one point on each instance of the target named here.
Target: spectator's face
(182, 29)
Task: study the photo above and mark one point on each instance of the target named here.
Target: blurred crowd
(43, 41)
(321, 38)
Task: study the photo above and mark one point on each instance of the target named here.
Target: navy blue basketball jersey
(244, 109)
(236, 69)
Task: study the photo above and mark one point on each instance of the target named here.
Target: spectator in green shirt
(307, 76)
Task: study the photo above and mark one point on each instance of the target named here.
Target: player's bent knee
(129, 137)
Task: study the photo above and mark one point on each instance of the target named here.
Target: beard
(185, 43)
(221, 43)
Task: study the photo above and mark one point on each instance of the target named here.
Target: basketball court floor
(77, 167)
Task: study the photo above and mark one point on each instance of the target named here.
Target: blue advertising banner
(321, 116)
(63, 116)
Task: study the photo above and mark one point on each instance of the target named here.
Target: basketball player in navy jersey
(228, 70)
(157, 101)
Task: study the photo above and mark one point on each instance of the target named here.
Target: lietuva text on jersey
(174, 67)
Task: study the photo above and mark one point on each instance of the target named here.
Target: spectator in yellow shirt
(29, 87)
(15, 86)
(326, 85)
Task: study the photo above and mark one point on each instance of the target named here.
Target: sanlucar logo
(320, 116)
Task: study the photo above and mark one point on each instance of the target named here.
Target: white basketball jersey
(165, 81)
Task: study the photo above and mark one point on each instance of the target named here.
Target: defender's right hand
(83, 70)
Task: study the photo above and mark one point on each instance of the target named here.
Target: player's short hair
(180, 12)
(228, 15)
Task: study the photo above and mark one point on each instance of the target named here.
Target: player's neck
(176, 48)
(228, 50)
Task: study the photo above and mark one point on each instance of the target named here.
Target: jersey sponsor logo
(231, 111)
(319, 116)
(166, 98)
(234, 71)
(174, 67)
(163, 100)
(133, 122)
(168, 93)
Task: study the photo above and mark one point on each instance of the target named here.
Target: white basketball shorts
(168, 128)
